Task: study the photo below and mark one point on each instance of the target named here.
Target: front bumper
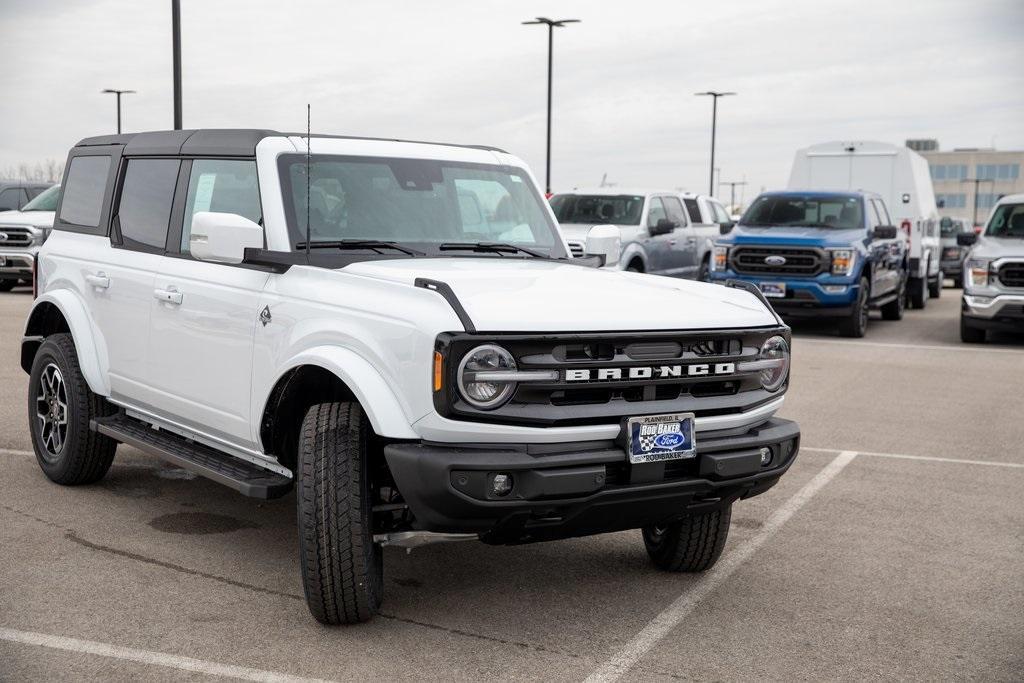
(577, 489)
(16, 265)
(806, 297)
(999, 312)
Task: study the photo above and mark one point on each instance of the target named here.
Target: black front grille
(16, 236)
(796, 261)
(1012, 274)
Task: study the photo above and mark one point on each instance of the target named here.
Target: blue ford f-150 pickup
(817, 255)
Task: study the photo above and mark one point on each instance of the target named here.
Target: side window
(11, 198)
(82, 203)
(655, 212)
(222, 186)
(144, 211)
(693, 210)
(674, 207)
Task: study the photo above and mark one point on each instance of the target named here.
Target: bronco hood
(526, 295)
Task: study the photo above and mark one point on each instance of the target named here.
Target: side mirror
(885, 232)
(606, 241)
(725, 228)
(223, 237)
(966, 239)
(663, 227)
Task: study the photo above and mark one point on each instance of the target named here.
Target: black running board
(245, 477)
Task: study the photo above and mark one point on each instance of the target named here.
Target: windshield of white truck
(426, 207)
(45, 201)
(1007, 221)
(598, 209)
(817, 211)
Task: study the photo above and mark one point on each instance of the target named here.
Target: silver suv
(993, 273)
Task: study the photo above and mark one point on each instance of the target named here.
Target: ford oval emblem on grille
(775, 260)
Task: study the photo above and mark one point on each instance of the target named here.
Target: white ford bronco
(397, 331)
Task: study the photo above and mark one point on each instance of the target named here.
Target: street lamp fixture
(714, 117)
(114, 91)
(551, 24)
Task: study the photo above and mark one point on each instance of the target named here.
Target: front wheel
(704, 274)
(935, 288)
(342, 567)
(970, 335)
(692, 544)
(918, 292)
(856, 324)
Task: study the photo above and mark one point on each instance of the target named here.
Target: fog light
(502, 484)
(766, 455)
(835, 289)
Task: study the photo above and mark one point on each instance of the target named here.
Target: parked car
(952, 253)
(397, 330)
(902, 178)
(21, 235)
(707, 220)
(993, 297)
(656, 236)
(819, 255)
(15, 194)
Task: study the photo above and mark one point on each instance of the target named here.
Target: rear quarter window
(82, 204)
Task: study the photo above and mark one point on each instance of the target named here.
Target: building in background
(954, 171)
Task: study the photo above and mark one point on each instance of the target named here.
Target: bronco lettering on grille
(648, 372)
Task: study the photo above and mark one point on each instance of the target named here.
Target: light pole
(714, 117)
(732, 191)
(176, 59)
(114, 91)
(977, 182)
(551, 24)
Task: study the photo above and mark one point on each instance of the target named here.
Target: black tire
(76, 455)
(635, 267)
(704, 272)
(856, 324)
(935, 288)
(894, 309)
(971, 335)
(918, 292)
(958, 282)
(691, 545)
(8, 285)
(342, 568)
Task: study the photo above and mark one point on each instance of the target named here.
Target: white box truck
(901, 176)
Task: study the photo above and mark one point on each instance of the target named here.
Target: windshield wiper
(496, 247)
(376, 245)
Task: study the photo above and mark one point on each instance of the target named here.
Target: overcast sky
(466, 71)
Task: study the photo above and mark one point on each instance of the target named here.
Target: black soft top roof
(217, 142)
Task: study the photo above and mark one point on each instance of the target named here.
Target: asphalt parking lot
(894, 549)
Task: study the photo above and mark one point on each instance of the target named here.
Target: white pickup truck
(396, 331)
(22, 232)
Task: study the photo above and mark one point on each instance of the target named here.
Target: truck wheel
(691, 545)
(342, 568)
(894, 309)
(970, 335)
(935, 288)
(7, 285)
(918, 292)
(704, 273)
(60, 407)
(856, 325)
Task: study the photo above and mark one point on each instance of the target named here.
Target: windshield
(819, 211)
(45, 200)
(420, 203)
(1007, 221)
(598, 209)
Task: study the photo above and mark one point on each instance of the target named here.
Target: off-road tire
(85, 455)
(894, 309)
(342, 568)
(8, 285)
(971, 335)
(693, 544)
(935, 288)
(856, 324)
(918, 292)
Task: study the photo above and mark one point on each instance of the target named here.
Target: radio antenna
(308, 231)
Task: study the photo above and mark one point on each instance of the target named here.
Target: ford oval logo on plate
(775, 260)
(668, 440)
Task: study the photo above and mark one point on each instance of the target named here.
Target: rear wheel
(918, 292)
(935, 288)
(60, 408)
(693, 544)
(856, 324)
(342, 567)
(969, 334)
(894, 309)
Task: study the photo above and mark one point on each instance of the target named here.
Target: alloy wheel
(52, 411)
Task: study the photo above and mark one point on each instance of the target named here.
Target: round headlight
(480, 376)
(776, 350)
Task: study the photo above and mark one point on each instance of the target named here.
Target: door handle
(99, 280)
(171, 295)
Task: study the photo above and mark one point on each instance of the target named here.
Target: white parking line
(148, 657)
(673, 615)
(929, 458)
(909, 346)
(11, 451)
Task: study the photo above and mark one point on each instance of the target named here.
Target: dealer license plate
(653, 438)
(774, 290)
